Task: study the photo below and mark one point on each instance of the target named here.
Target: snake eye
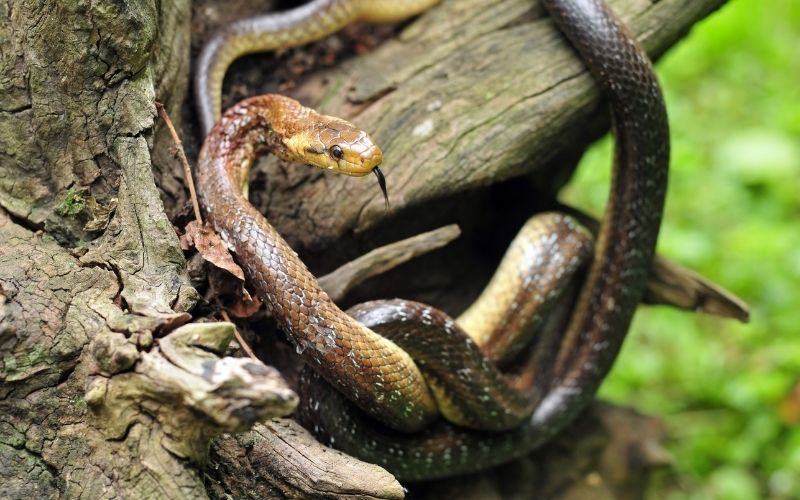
(337, 152)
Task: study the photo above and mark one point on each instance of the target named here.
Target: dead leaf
(231, 294)
(211, 248)
(246, 306)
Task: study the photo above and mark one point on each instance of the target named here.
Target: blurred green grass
(733, 94)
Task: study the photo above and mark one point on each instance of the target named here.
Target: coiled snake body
(425, 364)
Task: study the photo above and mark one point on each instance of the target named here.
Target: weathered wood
(61, 327)
(280, 459)
(77, 86)
(472, 93)
(380, 260)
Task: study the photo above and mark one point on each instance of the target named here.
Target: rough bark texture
(103, 391)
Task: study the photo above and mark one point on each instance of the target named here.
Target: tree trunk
(110, 386)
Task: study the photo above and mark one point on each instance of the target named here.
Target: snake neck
(249, 130)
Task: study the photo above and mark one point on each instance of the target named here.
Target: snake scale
(404, 364)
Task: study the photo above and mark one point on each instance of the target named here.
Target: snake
(309, 22)
(414, 390)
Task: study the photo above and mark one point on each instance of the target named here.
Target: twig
(239, 337)
(677, 286)
(187, 171)
(384, 258)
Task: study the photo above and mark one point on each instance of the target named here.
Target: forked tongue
(382, 184)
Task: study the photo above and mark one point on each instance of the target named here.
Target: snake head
(334, 144)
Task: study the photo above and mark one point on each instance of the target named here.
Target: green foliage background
(723, 388)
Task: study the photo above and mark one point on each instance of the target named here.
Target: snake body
(393, 380)
(304, 24)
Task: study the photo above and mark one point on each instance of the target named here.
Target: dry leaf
(247, 306)
(211, 247)
(231, 294)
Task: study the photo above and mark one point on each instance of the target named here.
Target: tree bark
(100, 360)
